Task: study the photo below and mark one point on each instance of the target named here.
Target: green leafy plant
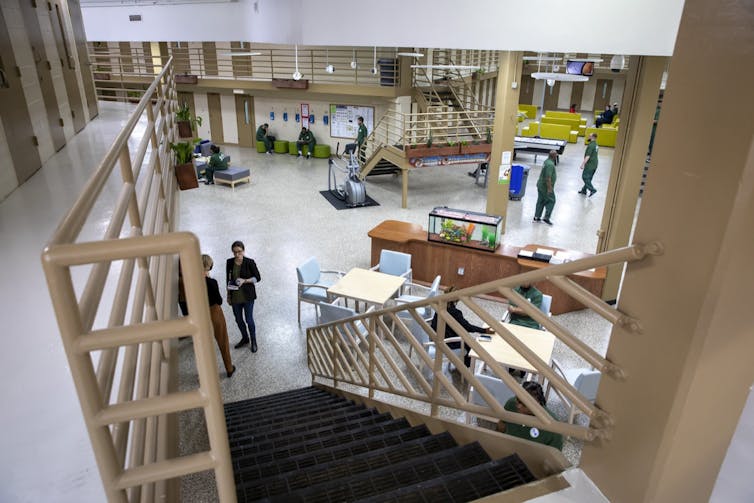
(451, 144)
(489, 135)
(464, 143)
(183, 114)
(429, 141)
(184, 150)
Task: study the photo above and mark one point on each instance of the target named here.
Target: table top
(599, 272)
(539, 341)
(367, 286)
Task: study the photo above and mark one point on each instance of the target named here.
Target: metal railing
(128, 397)
(376, 359)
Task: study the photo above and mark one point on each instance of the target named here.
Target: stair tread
(241, 428)
(282, 411)
(244, 406)
(279, 396)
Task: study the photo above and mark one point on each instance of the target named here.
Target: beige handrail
(132, 423)
(336, 356)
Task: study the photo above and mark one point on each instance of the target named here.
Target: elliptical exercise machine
(349, 188)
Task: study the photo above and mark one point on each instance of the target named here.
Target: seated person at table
(265, 138)
(449, 332)
(605, 118)
(528, 432)
(518, 315)
(216, 162)
(306, 137)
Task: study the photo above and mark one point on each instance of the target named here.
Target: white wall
(587, 97)
(564, 96)
(616, 92)
(8, 178)
(734, 482)
(640, 27)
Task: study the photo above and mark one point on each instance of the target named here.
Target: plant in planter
(488, 139)
(186, 122)
(184, 167)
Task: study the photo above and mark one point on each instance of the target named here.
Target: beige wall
(8, 179)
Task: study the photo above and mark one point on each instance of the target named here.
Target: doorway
(245, 120)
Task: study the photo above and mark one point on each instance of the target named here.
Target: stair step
(242, 408)
(466, 485)
(387, 478)
(312, 406)
(345, 467)
(331, 421)
(277, 397)
(241, 428)
(249, 472)
(242, 459)
(319, 435)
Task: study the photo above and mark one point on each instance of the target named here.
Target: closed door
(15, 116)
(577, 92)
(245, 120)
(77, 21)
(215, 118)
(602, 94)
(68, 62)
(526, 93)
(551, 96)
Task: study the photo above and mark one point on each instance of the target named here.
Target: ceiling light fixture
(447, 67)
(586, 60)
(564, 77)
(410, 54)
(374, 62)
(328, 67)
(233, 54)
(354, 63)
(541, 58)
(297, 75)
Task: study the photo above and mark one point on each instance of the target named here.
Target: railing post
(437, 366)
(372, 335)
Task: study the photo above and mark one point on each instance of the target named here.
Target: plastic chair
(585, 380)
(312, 288)
(331, 311)
(431, 291)
(394, 263)
(497, 387)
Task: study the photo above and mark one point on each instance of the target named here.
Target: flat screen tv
(580, 68)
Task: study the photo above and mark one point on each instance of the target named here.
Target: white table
(367, 286)
(540, 342)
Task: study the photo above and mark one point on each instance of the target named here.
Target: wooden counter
(429, 258)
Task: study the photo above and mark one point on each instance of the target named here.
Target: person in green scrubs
(216, 162)
(589, 165)
(530, 432)
(306, 137)
(361, 140)
(518, 315)
(265, 138)
(546, 189)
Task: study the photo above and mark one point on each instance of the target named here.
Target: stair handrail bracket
(122, 348)
(372, 352)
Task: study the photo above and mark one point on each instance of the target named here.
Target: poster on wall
(305, 115)
(343, 122)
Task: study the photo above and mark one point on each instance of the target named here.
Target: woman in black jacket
(241, 275)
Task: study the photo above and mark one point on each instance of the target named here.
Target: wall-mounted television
(580, 68)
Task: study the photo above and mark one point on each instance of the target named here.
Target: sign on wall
(343, 122)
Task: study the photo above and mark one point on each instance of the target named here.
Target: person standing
(265, 138)
(361, 140)
(306, 137)
(589, 165)
(219, 327)
(241, 276)
(546, 189)
(216, 162)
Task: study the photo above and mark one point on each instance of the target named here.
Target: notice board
(343, 122)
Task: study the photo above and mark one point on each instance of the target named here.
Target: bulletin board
(343, 122)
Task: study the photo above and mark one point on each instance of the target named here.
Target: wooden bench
(232, 176)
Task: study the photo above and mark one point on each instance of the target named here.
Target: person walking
(216, 162)
(361, 140)
(241, 276)
(589, 165)
(219, 327)
(306, 137)
(546, 189)
(265, 138)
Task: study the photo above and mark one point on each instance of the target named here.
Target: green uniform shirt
(218, 162)
(261, 133)
(530, 433)
(591, 152)
(548, 171)
(306, 136)
(362, 137)
(535, 297)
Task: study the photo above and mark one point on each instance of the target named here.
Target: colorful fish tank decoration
(465, 228)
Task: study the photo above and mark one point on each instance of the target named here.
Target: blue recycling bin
(519, 176)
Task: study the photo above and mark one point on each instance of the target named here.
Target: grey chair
(429, 292)
(312, 286)
(585, 380)
(331, 311)
(497, 387)
(394, 263)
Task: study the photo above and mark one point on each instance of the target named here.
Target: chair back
(546, 303)
(205, 148)
(308, 272)
(330, 312)
(497, 387)
(587, 383)
(394, 263)
(434, 288)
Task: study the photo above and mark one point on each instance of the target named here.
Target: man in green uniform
(589, 165)
(306, 137)
(546, 189)
(361, 140)
(216, 162)
(530, 432)
(265, 138)
(518, 315)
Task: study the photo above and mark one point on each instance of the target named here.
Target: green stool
(294, 151)
(322, 151)
(280, 146)
(261, 148)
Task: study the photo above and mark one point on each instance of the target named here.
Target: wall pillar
(506, 122)
(636, 117)
(689, 371)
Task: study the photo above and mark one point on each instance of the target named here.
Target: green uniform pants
(587, 176)
(545, 201)
(310, 144)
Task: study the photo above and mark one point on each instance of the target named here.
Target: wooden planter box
(186, 176)
(481, 148)
(184, 129)
(101, 76)
(186, 79)
(424, 151)
(290, 84)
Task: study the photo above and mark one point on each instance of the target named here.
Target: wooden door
(526, 93)
(215, 118)
(34, 33)
(602, 94)
(77, 21)
(68, 64)
(551, 96)
(577, 92)
(245, 120)
(14, 113)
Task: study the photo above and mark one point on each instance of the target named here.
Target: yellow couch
(529, 110)
(530, 130)
(606, 136)
(573, 119)
(555, 131)
(571, 123)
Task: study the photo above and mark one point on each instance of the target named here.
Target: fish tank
(465, 228)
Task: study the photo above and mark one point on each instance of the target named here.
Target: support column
(689, 371)
(506, 122)
(636, 117)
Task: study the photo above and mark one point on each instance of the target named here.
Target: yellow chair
(555, 131)
(573, 137)
(606, 136)
(531, 130)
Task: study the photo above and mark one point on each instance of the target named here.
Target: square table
(540, 342)
(367, 286)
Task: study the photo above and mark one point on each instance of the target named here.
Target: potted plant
(186, 122)
(184, 167)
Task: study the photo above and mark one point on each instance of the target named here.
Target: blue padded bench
(232, 176)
